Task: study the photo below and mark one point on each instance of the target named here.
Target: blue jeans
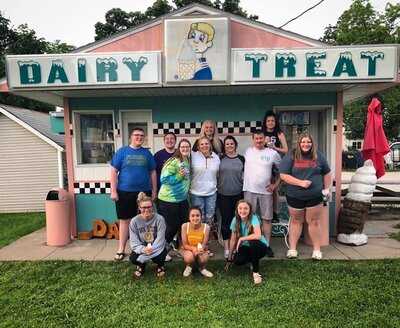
(206, 204)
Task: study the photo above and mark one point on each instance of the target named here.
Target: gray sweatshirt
(143, 232)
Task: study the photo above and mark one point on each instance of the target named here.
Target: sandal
(138, 272)
(119, 256)
(160, 272)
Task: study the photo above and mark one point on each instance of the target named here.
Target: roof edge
(28, 127)
(189, 8)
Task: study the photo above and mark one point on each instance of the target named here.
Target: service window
(94, 138)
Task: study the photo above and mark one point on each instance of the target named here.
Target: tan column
(339, 148)
(70, 165)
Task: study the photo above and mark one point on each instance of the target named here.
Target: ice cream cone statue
(356, 205)
(186, 62)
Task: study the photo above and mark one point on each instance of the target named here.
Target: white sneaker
(206, 273)
(187, 272)
(226, 254)
(168, 258)
(257, 278)
(292, 254)
(316, 255)
(210, 254)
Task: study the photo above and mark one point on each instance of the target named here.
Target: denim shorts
(206, 204)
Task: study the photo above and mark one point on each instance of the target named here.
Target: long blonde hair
(142, 197)
(215, 141)
(239, 219)
(298, 154)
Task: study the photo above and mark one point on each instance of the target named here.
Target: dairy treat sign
(309, 65)
(83, 70)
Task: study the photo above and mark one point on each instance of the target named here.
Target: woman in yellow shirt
(195, 237)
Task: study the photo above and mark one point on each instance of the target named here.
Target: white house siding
(28, 168)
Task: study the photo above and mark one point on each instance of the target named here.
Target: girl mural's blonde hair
(215, 141)
(203, 27)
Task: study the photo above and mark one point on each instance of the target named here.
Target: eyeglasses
(149, 208)
(138, 135)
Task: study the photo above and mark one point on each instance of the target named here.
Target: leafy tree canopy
(23, 40)
(362, 24)
(118, 20)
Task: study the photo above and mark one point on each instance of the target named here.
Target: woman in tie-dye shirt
(173, 195)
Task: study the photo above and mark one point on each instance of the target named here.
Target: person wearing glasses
(173, 202)
(133, 170)
(147, 238)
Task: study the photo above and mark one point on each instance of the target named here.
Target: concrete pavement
(33, 247)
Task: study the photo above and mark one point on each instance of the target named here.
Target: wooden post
(339, 148)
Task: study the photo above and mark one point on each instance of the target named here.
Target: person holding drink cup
(173, 195)
(147, 238)
(195, 235)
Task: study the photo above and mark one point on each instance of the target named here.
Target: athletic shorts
(261, 204)
(126, 205)
(299, 204)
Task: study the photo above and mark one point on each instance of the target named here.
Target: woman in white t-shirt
(203, 188)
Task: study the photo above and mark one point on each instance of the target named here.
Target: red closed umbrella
(375, 143)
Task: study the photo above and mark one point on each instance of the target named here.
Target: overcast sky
(73, 21)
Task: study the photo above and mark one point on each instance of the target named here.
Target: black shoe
(275, 218)
(175, 244)
(270, 252)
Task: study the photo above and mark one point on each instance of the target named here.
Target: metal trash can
(58, 225)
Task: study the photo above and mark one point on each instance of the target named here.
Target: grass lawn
(16, 225)
(296, 294)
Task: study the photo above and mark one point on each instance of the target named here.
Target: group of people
(175, 194)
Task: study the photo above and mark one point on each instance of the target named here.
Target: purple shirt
(161, 157)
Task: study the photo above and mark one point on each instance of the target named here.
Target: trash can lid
(57, 194)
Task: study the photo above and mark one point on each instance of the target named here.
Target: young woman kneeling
(247, 244)
(194, 243)
(147, 238)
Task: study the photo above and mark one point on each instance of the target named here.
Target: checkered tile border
(191, 128)
(92, 188)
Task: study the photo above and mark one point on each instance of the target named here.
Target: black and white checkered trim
(193, 128)
(92, 188)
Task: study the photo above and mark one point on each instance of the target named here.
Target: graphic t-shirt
(174, 186)
(134, 166)
(244, 232)
(305, 169)
(258, 169)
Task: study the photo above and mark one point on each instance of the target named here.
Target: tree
(362, 24)
(19, 41)
(159, 8)
(183, 3)
(118, 20)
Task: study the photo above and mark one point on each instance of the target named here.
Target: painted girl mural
(192, 63)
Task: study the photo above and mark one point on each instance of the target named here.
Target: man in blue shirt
(133, 170)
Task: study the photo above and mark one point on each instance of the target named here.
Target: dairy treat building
(193, 64)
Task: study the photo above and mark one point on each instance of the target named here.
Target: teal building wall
(200, 108)
(185, 109)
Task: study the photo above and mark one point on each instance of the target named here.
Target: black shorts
(126, 205)
(300, 204)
